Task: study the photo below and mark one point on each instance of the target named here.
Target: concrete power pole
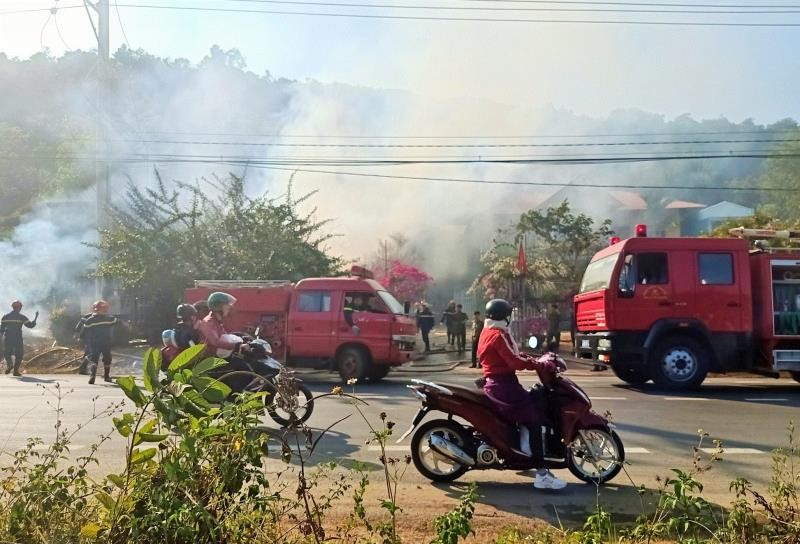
(101, 169)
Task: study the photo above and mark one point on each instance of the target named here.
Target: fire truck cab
(673, 309)
(308, 323)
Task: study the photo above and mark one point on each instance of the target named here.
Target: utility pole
(101, 169)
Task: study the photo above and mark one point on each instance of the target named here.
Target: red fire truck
(674, 309)
(307, 324)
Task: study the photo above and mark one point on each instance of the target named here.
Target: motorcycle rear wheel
(430, 464)
(290, 411)
(607, 460)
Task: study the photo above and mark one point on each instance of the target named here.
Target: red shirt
(211, 330)
(497, 355)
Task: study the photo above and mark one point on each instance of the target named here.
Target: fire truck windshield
(598, 274)
(391, 302)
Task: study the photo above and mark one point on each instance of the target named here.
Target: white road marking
(765, 399)
(609, 398)
(734, 451)
(398, 447)
(686, 398)
(45, 447)
(390, 447)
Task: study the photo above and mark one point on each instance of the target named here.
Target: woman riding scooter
(500, 358)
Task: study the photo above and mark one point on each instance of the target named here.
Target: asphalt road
(748, 414)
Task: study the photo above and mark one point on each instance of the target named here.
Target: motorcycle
(575, 437)
(289, 400)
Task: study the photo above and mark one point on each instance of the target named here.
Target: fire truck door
(311, 326)
(647, 290)
(719, 297)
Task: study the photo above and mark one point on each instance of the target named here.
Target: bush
(62, 325)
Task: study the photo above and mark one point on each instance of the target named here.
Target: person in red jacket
(500, 359)
(212, 328)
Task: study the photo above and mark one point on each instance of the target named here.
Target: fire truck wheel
(679, 363)
(631, 374)
(796, 376)
(353, 364)
(378, 372)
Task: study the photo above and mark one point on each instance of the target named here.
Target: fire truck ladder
(222, 284)
(741, 232)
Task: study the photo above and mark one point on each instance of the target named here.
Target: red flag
(522, 261)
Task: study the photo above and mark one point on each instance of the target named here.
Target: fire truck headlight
(604, 343)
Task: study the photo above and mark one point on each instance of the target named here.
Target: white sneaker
(548, 481)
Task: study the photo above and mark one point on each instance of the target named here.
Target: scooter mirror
(533, 342)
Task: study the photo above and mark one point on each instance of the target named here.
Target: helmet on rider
(221, 302)
(100, 307)
(16, 305)
(185, 312)
(498, 309)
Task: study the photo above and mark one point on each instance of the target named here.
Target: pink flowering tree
(405, 281)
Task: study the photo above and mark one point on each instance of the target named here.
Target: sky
(591, 69)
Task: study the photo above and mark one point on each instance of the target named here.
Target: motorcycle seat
(473, 395)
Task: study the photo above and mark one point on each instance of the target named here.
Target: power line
(616, 3)
(464, 19)
(765, 131)
(528, 183)
(461, 146)
(757, 11)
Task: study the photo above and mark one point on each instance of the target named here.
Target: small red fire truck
(674, 309)
(307, 323)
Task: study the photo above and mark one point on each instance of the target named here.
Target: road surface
(749, 414)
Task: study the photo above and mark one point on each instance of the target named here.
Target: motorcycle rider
(11, 328)
(212, 328)
(500, 359)
(186, 334)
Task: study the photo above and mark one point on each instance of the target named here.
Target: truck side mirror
(406, 307)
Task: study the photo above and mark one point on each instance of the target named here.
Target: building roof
(629, 199)
(724, 210)
(683, 205)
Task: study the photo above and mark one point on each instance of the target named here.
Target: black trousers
(461, 340)
(426, 339)
(100, 352)
(474, 352)
(13, 352)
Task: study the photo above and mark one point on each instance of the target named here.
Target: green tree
(783, 174)
(164, 237)
(558, 244)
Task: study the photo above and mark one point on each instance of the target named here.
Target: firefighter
(97, 333)
(460, 328)
(84, 368)
(425, 322)
(11, 329)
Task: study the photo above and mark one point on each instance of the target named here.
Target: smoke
(191, 121)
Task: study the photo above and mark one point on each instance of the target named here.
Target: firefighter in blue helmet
(97, 334)
(11, 329)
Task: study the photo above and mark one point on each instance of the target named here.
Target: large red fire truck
(674, 309)
(307, 323)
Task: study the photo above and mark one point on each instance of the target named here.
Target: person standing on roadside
(460, 328)
(553, 328)
(11, 329)
(447, 319)
(425, 322)
(477, 328)
(97, 333)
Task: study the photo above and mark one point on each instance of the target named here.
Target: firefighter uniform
(84, 369)
(97, 334)
(11, 329)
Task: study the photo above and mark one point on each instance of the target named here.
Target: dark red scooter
(575, 437)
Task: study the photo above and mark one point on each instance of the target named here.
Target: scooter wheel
(607, 460)
(300, 410)
(430, 464)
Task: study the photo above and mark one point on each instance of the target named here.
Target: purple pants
(514, 402)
